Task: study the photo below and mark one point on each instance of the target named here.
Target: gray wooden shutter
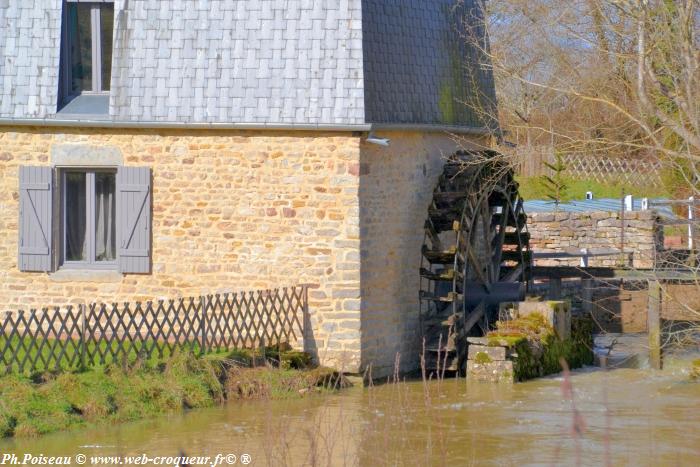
(134, 219)
(35, 219)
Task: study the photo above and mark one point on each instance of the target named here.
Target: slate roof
(314, 62)
(416, 64)
(29, 33)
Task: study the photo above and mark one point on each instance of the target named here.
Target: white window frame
(91, 262)
(96, 51)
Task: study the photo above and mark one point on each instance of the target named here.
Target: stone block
(542, 217)
(566, 233)
(82, 155)
(478, 340)
(494, 372)
(556, 312)
(486, 353)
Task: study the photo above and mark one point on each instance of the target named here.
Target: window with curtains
(85, 218)
(89, 218)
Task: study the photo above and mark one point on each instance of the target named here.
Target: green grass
(695, 370)
(52, 402)
(44, 402)
(66, 355)
(531, 188)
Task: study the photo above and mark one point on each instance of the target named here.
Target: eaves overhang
(127, 124)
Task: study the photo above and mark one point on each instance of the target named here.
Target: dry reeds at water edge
(399, 421)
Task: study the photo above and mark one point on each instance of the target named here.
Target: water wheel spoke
(478, 269)
(474, 316)
(487, 234)
(514, 274)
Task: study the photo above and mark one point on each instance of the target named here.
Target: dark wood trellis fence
(64, 338)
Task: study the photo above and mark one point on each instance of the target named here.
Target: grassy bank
(48, 402)
(533, 188)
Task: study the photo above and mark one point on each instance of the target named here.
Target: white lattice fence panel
(605, 170)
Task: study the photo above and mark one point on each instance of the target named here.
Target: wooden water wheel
(475, 255)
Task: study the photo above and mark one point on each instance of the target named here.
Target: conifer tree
(555, 185)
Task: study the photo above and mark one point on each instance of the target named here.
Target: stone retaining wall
(556, 232)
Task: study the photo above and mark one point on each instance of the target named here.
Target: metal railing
(585, 254)
(691, 220)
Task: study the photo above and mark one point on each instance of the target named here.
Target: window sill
(82, 275)
(86, 106)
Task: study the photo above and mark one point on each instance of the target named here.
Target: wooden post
(203, 324)
(654, 324)
(555, 288)
(645, 204)
(306, 319)
(81, 308)
(629, 203)
(587, 296)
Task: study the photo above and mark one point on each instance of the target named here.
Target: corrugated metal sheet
(594, 205)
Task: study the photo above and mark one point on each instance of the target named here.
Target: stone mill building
(168, 148)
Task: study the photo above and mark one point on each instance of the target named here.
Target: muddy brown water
(627, 417)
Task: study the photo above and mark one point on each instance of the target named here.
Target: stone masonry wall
(561, 231)
(231, 211)
(396, 188)
(236, 210)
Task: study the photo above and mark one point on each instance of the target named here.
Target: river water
(625, 417)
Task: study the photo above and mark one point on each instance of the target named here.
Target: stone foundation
(529, 341)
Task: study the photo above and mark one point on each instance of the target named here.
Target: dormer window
(86, 56)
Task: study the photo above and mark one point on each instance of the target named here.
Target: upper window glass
(80, 40)
(87, 48)
(106, 28)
